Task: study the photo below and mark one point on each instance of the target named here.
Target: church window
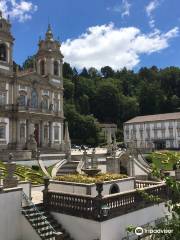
(2, 132)
(2, 98)
(56, 68)
(22, 131)
(56, 133)
(45, 132)
(45, 103)
(3, 52)
(34, 99)
(22, 100)
(56, 105)
(42, 67)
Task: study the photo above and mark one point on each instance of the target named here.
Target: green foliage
(35, 167)
(28, 62)
(149, 197)
(83, 128)
(116, 96)
(164, 160)
(85, 179)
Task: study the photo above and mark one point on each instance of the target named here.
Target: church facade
(31, 101)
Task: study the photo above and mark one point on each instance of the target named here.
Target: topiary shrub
(35, 167)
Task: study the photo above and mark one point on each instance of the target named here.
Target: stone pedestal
(10, 181)
(177, 174)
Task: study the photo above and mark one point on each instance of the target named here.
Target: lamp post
(105, 210)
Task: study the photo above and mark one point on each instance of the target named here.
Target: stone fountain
(91, 169)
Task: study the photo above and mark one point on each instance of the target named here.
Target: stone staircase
(68, 168)
(44, 223)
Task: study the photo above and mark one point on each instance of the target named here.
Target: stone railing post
(45, 192)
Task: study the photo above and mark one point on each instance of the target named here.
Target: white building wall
(167, 131)
(113, 229)
(28, 233)
(124, 185)
(10, 218)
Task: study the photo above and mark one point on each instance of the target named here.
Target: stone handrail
(90, 207)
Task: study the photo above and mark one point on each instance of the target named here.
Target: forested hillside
(110, 96)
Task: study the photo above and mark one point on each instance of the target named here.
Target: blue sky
(118, 33)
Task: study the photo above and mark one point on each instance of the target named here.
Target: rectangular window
(178, 132)
(45, 93)
(22, 87)
(2, 98)
(155, 134)
(163, 133)
(2, 132)
(148, 133)
(171, 144)
(45, 132)
(22, 131)
(56, 105)
(171, 132)
(22, 100)
(127, 134)
(56, 133)
(141, 133)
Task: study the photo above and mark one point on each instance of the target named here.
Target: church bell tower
(6, 45)
(49, 58)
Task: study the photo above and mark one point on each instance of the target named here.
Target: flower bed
(24, 174)
(78, 178)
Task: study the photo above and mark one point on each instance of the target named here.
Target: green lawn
(164, 159)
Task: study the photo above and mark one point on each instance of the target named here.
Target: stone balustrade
(92, 207)
(143, 184)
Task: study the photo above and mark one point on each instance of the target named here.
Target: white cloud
(150, 8)
(123, 8)
(117, 47)
(18, 9)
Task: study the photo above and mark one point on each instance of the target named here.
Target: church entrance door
(36, 133)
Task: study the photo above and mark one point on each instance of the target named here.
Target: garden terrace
(91, 207)
(24, 173)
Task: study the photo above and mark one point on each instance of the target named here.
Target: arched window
(34, 99)
(114, 189)
(56, 68)
(22, 100)
(3, 52)
(42, 67)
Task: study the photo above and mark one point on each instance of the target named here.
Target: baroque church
(31, 101)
